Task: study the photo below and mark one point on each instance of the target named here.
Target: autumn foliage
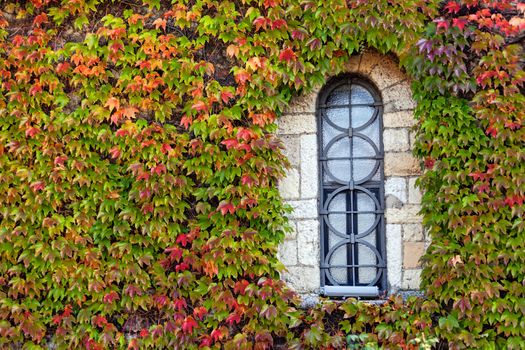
(138, 171)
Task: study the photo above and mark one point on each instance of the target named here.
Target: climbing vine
(138, 166)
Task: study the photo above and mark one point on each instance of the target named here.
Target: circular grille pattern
(352, 205)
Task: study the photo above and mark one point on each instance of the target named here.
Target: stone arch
(405, 239)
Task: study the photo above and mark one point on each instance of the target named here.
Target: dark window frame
(374, 188)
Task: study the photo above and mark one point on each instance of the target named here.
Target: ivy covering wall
(138, 171)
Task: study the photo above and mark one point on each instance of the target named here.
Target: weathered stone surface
(303, 279)
(394, 256)
(414, 194)
(387, 73)
(289, 186)
(369, 60)
(412, 252)
(411, 279)
(401, 164)
(396, 140)
(287, 253)
(412, 138)
(308, 241)
(413, 232)
(401, 119)
(306, 103)
(353, 64)
(304, 209)
(398, 98)
(291, 149)
(397, 187)
(409, 214)
(297, 123)
(309, 171)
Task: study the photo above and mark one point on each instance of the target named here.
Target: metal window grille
(351, 207)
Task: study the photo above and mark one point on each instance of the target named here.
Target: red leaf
(242, 76)
(100, 321)
(110, 297)
(452, 7)
(233, 318)
(226, 96)
(41, 18)
(116, 46)
(182, 239)
(60, 160)
(279, 23)
(287, 55)
(230, 143)
(200, 106)
(144, 332)
(188, 324)
(459, 22)
(199, 312)
(226, 207)
(38, 186)
(260, 22)
(114, 152)
(62, 67)
(442, 24)
(175, 253)
(180, 304)
(36, 88)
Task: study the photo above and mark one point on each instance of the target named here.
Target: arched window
(351, 205)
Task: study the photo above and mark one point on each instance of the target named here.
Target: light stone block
(400, 119)
(387, 73)
(291, 149)
(394, 256)
(414, 194)
(396, 140)
(412, 138)
(398, 98)
(289, 186)
(397, 187)
(287, 253)
(309, 165)
(413, 233)
(308, 242)
(412, 253)
(409, 214)
(401, 164)
(411, 279)
(305, 103)
(293, 124)
(303, 279)
(303, 209)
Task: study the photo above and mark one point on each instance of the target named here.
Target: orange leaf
(112, 103)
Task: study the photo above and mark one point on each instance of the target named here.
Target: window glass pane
(372, 131)
(338, 220)
(361, 115)
(329, 133)
(339, 116)
(340, 257)
(340, 96)
(362, 148)
(366, 257)
(360, 95)
(363, 169)
(365, 203)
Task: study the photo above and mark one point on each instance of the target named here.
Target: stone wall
(406, 241)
